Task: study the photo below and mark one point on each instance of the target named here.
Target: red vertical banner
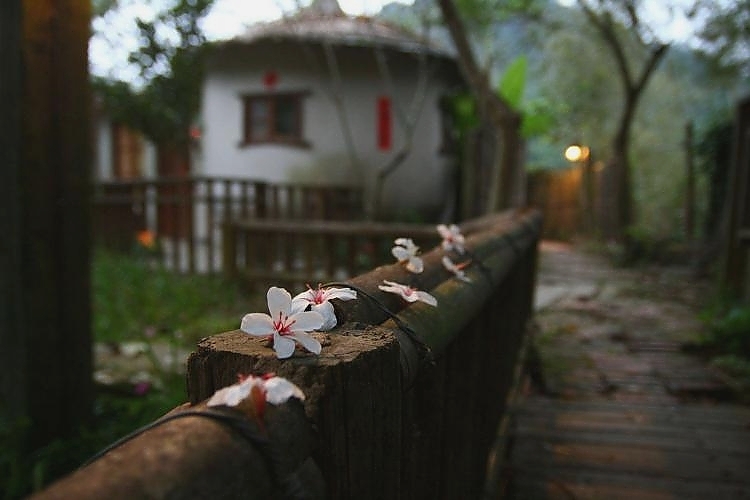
(385, 123)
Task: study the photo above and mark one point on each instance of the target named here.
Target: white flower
(408, 293)
(452, 238)
(318, 300)
(284, 325)
(261, 390)
(405, 251)
(456, 269)
(279, 390)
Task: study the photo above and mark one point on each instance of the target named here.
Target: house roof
(324, 21)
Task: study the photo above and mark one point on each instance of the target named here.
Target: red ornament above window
(270, 79)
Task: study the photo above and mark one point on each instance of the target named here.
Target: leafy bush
(730, 331)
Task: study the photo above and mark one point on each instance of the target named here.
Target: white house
(321, 97)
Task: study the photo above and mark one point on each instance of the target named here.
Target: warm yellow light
(574, 152)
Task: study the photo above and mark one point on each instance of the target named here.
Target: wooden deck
(612, 450)
(622, 409)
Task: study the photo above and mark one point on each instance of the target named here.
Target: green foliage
(726, 37)
(730, 330)
(101, 7)
(713, 152)
(487, 13)
(464, 111)
(513, 82)
(115, 416)
(131, 296)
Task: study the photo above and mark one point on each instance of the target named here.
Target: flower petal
(340, 293)
(257, 324)
(300, 302)
(230, 396)
(415, 265)
(306, 321)
(426, 298)
(393, 283)
(329, 316)
(401, 253)
(279, 301)
(392, 287)
(448, 264)
(284, 346)
(279, 390)
(307, 342)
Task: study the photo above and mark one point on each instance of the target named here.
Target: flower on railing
(452, 238)
(456, 269)
(408, 293)
(284, 325)
(405, 252)
(257, 391)
(319, 301)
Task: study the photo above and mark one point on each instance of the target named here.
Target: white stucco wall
(423, 182)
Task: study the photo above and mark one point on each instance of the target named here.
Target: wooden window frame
(274, 136)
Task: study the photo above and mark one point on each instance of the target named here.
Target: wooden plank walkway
(623, 412)
(612, 450)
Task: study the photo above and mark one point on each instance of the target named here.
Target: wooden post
(44, 200)
(690, 184)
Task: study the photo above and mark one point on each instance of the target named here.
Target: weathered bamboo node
(384, 417)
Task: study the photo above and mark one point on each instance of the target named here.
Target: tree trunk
(619, 216)
(505, 187)
(44, 260)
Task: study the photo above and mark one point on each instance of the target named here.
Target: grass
(727, 342)
(132, 300)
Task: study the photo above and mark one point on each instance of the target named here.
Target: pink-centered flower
(452, 238)
(319, 301)
(456, 269)
(260, 390)
(405, 252)
(408, 293)
(283, 325)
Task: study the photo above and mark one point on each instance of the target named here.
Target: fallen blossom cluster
(292, 319)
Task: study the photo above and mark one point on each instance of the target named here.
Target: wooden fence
(185, 214)
(295, 253)
(403, 406)
(570, 202)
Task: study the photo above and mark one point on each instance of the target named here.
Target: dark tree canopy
(726, 36)
(170, 64)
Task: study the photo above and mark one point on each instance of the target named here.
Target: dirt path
(624, 412)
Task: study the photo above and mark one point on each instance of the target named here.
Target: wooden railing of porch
(185, 214)
(403, 406)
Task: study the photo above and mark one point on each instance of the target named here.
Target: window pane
(259, 122)
(286, 117)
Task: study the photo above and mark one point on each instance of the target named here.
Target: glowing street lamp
(576, 153)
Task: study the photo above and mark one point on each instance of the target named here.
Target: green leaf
(513, 82)
(535, 124)
(538, 118)
(465, 112)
